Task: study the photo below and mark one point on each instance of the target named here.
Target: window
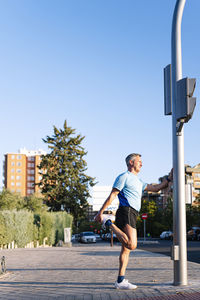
(31, 165)
(18, 191)
(31, 171)
(19, 163)
(12, 183)
(12, 170)
(19, 157)
(18, 170)
(18, 183)
(18, 177)
(31, 178)
(31, 158)
(12, 163)
(12, 177)
(30, 184)
(12, 156)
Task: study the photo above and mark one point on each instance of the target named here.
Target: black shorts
(126, 215)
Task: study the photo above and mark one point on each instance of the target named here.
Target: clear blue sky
(98, 64)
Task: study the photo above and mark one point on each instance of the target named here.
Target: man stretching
(129, 188)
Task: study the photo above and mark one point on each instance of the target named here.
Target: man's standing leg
(124, 255)
(121, 283)
(123, 261)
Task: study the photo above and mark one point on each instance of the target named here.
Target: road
(164, 247)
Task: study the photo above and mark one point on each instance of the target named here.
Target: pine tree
(64, 183)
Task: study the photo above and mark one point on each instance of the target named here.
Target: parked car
(166, 235)
(75, 237)
(87, 237)
(97, 237)
(193, 233)
(108, 237)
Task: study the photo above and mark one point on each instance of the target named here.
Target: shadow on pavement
(82, 269)
(75, 284)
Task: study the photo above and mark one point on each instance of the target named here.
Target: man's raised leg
(128, 237)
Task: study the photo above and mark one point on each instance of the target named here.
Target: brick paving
(88, 272)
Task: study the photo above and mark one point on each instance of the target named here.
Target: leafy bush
(45, 224)
(61, 220)
(89, 226)
(5, 237)
(8, 226)
(23, 227)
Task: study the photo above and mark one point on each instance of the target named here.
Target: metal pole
(144, 229)
(179, 211)
(111, 238)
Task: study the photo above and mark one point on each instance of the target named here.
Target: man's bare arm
(108, 201)
(156, 187)
(160, 186)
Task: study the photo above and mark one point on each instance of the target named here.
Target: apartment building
(21, 171)
(193, 179)
(192, 186)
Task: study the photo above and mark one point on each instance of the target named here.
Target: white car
(166, 235)
(87, 237)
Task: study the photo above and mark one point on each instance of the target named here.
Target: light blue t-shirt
(131, 189)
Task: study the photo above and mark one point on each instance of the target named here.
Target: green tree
(192, 216)
(149, 207)
(9, 200)
(64, 183)
(158, 219)
(35, 203)
(167, 214)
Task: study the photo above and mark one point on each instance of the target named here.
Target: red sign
(144, 216)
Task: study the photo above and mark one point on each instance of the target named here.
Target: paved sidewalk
(88, 272)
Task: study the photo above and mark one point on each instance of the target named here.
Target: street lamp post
(180, 103)
(179, 211)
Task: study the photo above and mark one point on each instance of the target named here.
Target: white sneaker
(106, 218)
(125, 285)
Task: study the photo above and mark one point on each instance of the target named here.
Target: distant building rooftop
(99, 195)
(32, 152)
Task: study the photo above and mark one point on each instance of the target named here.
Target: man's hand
(98, 218)
(157, 187)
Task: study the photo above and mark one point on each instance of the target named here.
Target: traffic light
(185, 103)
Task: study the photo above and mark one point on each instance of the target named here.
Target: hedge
(23, 227)
(61, 220)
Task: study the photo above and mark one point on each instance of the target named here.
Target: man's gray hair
(131, 157)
